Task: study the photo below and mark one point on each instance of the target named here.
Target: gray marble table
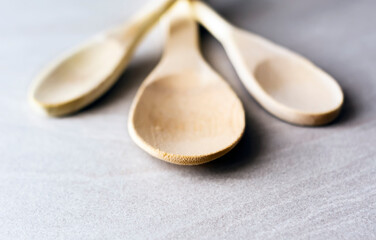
(81, 177)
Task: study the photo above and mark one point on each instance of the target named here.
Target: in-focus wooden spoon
(284, 83)
(184, 112)
(81, 76)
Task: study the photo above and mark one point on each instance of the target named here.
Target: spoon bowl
(64, 86)
(297, 85)
(184, 112)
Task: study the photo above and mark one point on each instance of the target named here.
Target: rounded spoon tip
(179, 159)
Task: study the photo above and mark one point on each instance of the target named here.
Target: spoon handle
(182, 35)
(216, 25)
(142, 21)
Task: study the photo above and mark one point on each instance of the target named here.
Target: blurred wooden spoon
(184, 112)
(284, 83)
(80, 77)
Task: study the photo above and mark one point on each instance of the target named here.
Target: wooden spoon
(184, 112)
(284, 83)
(83, 75)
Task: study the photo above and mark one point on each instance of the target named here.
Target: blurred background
(82, 177)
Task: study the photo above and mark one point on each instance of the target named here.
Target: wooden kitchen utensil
(284, 83)
(184, 112)
(80, 77)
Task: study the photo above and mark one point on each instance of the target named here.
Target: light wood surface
(82, 177)
(184, 112)
(81, 76)
(287, 85)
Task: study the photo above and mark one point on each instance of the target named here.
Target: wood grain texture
(83, 178)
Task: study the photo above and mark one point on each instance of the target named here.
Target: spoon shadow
(350, 109)
(244, 157)
(244, 153)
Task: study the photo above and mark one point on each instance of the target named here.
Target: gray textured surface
(82, 177)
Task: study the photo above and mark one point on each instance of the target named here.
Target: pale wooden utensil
(184, 112)
(81, 76)
(284, 83)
